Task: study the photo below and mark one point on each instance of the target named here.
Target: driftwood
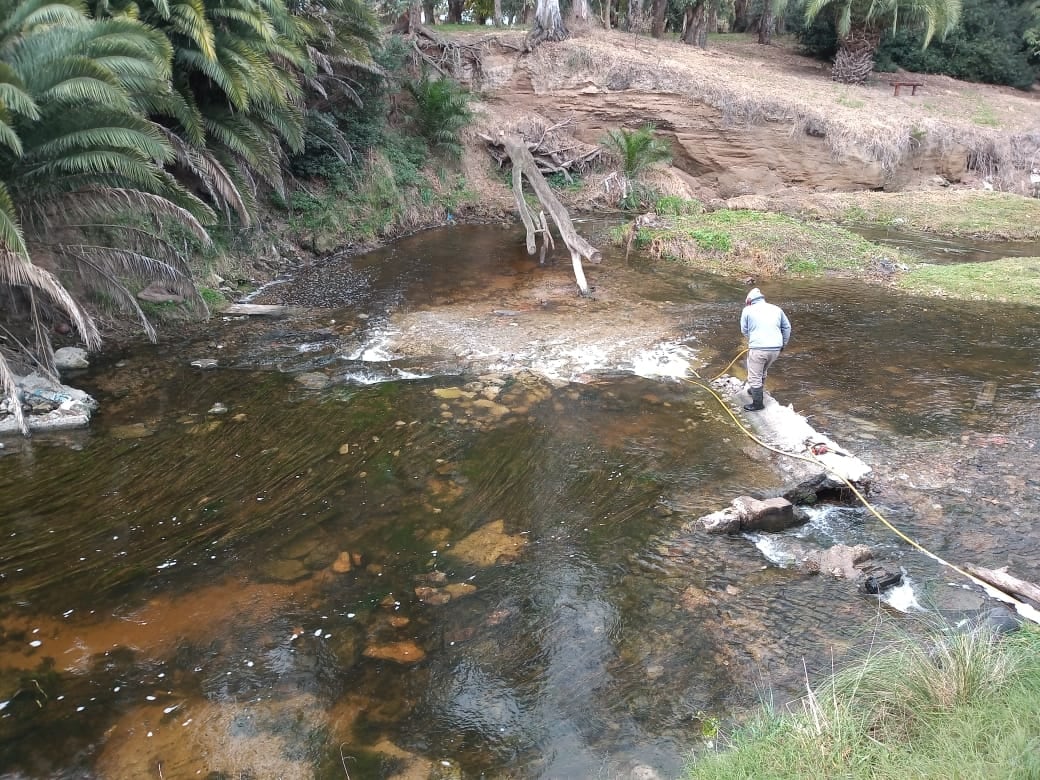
(1008, 583)
(550, 155)
(524, 164)
(256, 309)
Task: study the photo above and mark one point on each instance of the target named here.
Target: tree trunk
(766, 22)
(430, 12)
(696, 24)
(660, 7)
(607, 7)
(740, 16)
(548, 25)
(1008, 583)
(498, 13)
(634, 17)
(524, 163)
(455, 11)
(578, 16)
(414, 16)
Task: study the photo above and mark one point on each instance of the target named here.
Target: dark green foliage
(440, 109)
(988, 46)
(819, 39)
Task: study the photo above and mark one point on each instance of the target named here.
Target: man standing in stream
(767, 330)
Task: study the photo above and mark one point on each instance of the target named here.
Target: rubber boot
(756, 400)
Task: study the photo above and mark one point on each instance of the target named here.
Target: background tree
(860, 25)
(658, 17)
(84, 197)
(548, 24)
(988, 45)
(771, 10)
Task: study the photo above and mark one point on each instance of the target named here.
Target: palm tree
(440, 111)
(635, 151)
(241, 71)
(861, 24)
(83, 192)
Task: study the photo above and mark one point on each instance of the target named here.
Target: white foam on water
(367, 377)
(563, 361)
(376, 349)
(248, 298)
(314, 346)
(667, 361)
(773, 549)
(902, 597)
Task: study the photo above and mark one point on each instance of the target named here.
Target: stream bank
(259, 556)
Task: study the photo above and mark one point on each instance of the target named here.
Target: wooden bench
(912, 84)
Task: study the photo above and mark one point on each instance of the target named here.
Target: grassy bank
(993, 216)
(758, 243)
(1010, 280)
(962, 705)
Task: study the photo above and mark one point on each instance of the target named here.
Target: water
(436, 558)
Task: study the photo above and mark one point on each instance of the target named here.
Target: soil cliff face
(728, 137)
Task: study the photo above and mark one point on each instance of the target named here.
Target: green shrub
(673, 205)
(439, 111)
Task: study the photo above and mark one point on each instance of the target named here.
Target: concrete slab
(821, 459)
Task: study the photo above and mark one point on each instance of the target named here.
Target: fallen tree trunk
(1008, 583)
(524, 165)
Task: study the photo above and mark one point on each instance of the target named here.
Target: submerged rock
(313, 381)
(406, 652)
(489, 545)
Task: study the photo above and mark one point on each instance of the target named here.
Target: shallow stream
(379, 562)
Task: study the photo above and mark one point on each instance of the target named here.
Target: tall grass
(959, 705)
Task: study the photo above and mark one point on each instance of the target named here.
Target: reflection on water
(492, 573)
(941, 249)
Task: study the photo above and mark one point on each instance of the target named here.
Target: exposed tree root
(458, 60)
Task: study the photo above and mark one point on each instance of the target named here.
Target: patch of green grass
(715, 240)
(955, 705)
(761, 243)
(969, 213)
(1011, 280)
(985, 116)
(672, 205)
(849, 102)
(213, 298)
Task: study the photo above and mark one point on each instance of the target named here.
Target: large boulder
(750, 514)
(68, 358)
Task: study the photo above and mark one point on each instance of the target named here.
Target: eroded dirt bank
(745, 119)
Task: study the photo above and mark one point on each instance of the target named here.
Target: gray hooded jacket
(765, 325)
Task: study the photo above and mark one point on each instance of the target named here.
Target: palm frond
(25, 16)
(17, 271)
(214, 177)
(189, 18)
(11, 240)
(9, 390)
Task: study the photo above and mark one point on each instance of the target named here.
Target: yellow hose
(816, 461)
